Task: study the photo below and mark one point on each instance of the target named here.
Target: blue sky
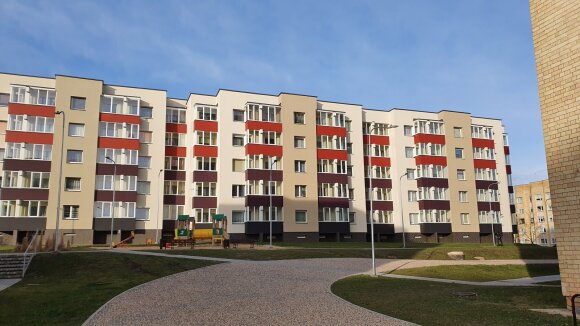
(473, 56)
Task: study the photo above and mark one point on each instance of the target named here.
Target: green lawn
(432, 252)
(66, 288)
(431, 303)
(481, 273)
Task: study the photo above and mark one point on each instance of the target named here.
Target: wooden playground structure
(186, 234)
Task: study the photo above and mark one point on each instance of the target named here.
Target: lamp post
(492, 222)
(113, 205)
(158, 204)
(57, 232)
(371, 217)
(401, 203)
(270, 192)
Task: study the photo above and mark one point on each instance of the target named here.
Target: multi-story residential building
(534, 214)
(318, 170)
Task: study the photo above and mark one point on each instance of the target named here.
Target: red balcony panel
(174, 175)
(332, 154)
(176, 127)
(107, 195)
(377, 140)
(508, 169)
(331, 131)
(486, 184)
(24, 194)
(257, 174)
(383, 205)
(482, 143)
(109, 117)
(484, 164)
(428, 138)
(269, 150)
(118, 143)
(506, 150)
(261, 125)
(379, 183)
(120, 169)
(205, 151)
(28, 137)
(31, 109)
(378, 161)
(173, 199)
(435, 204)
(333, 202)
(483, 206)
(332, 178)
(205, 176)
(426, 160)
(203, 125)
(26, 165)
(175, 151)
(204, 202)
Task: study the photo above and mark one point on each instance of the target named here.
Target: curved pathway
(284, 292)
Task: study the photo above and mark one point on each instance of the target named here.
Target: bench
(235, 243)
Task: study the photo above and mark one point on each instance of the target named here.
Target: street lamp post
(270, 192)
(158, 204)
(492, 221)
(401, 204)
(113, 205)
(57, 232)
(371, 216)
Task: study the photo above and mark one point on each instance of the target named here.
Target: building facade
(319, 170)
(534, 214)
(555, 28)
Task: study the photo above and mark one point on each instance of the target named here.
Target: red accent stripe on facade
(205, 151)
(377, 161)
(31, 109)
(331, 154)
(484, 164)
(118, 143)
(482, 143)
(426, 160)
(261, 125)
(203, 125)
(508, 169)
(176, 127)
(175, 151)
(377, 140)
(330, 131)
(506, 150)
(108, 117)
(269, 150)
(28, 137)
(428, 138)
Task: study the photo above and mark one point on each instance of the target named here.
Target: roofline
(77, 77)
(24, 75)
(344, 103)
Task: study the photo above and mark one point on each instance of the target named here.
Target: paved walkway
(284, 292)
(8, 282)
(411, 263)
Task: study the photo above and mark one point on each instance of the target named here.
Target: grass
(431, 303)
(7, 248)
(66, 288)
(425, 252)
(481, 273)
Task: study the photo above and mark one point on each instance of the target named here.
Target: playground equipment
(219, 229)
(125, 241)
(184, 228)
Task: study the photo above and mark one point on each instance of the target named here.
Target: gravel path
(285, 292)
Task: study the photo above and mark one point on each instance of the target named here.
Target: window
(144, 162)
(300, 216)
(205, 163)
(458, 152)
(143, 187)
(300, 166)
(146, 112)
(484, 132)
(4, 99)
(74, 156)
(204, 215)
(72, 184)
(458, 132)
(206, 113)
(299, 142)
(120, 156)
(76, 129)
(299, 118)
(40, 96)
(237, 140)
(408, 130)
(300, 191)
(238, 190)
(460, 174)
(412, 196)
(145, 137)
(463, 196)
(119, 105)
(174, 187)
(429, 127)
(239, 115)
(175, 116)
(413, 218)
(142, 214)
(237, 165)
(71, 211)
(409, 152)
(205, 138)
(519, 200)
(464, 218)
(205, 189)
(238, 216)
(410, 174)
(77, 103)
(170, 212)
(2, 152)
(174, 139)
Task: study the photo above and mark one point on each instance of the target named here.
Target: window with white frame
(18, 94)
(118, 130)
(174, 115)
(238, 216)
(74, 156)
(411, 196)
(482, 132)
(146, 112)
(174, 163)
(299, 118)
(300, 166)
(380, 217)
(464, 218)
(205, 189)
(72, 184)
(70, 211)
(239, 115)
(300, 191)
(429, 127)
(459, 153)
(430, 149)
(170, 212)
(206, 163)
(238, 165)
(408, 130)
(238, 191)
(485, 174)
(261, 187)
(463, 196)
(238, 140)
(333, 214)
(460, 174)
(204, 215)
(204, 112)
(263, 162)
(432, 193)
(119, 105)
(413, 218)
(483, 153)
(175, 139)
(434, 216)
(146, 137)
(31, 151)
(378, 172)
(120, 156)
(30, 123)
(104, 209)
(142, 214)
(263, 112)
(4, 99)
(206, 138)
(174, 187)
(336, 190)
(458, 132)
(299, 142)
(40, 96)
(410, 174)
(144, 162)
(380, 193)
(431, 171)
(486, 217)
(143, 187)
(409, 152)
(300, 217)
(76, 129)
(483, 195)
(329, 118)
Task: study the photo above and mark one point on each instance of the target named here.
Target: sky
(464, 55)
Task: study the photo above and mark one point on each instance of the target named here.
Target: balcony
(486, 228)
(333, 227)
(430, 228)
(123, 224)
(381, 228)
(23, 223)
(257, 227)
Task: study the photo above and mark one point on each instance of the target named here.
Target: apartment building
(534, 214)
(133, 160)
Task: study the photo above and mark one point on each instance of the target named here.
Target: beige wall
(527, 211)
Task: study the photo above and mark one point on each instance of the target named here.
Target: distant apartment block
(309, 166)
(534, 214)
